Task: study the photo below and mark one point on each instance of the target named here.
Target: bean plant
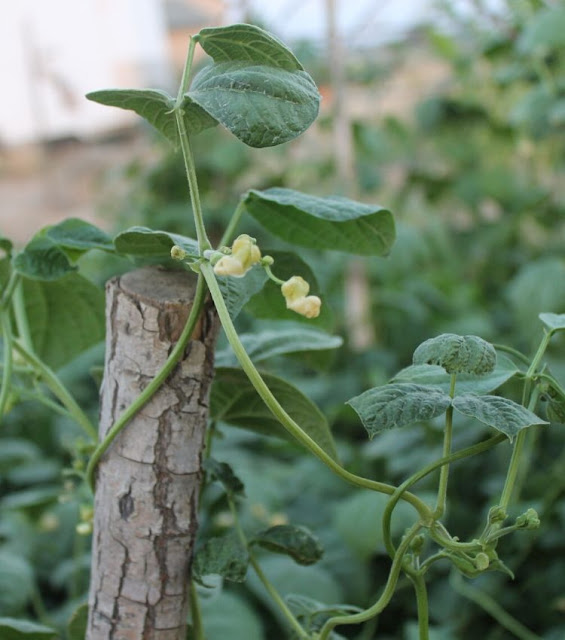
(257, 89)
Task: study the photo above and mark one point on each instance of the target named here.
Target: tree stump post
(145, 510)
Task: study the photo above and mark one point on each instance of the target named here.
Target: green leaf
(148, 243)
(553, 321)
(156, 107)
(223, 473)
(397, 405)
(502, 414)
(261, 105)
(332, 223)
(239, 620)
(225, 556)
(65, 317)
(79, 235)
(268, 344)
(42, 259)
(271, 303)
(16, 582)
(234, 400)
(295, 541)
(6, 245)
(435, 376)
(31, 498)
(14, 629)
(457, 354)
(76, 629)
(247, 43)
(237, 292)
(546, 30)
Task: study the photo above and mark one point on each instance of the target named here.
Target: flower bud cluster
(244, 254)
(528, 520)
(295, 292)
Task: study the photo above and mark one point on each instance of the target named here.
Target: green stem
(58, 389)
(421, 591)
(37, 396)
(386, 595)
(9, 289)
(272, 276)
(8, 360)
(282, 416)
(154, 385)
(232, 225)
(21, 318)
(397, 495)
(183, 87)
(196, 613)
(491, 606)
(275, 595)
(447, 438)
(513, 352)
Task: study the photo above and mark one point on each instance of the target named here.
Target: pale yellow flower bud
(295, 288)
(308, 306)
(244, 254)
(229, 266)
(178, 253)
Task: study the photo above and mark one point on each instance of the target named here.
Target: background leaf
(13, 629)
(274, 342)
(247, 42)
(261, 105)
(234, 400)
(331, 223)
(297, 542)
(502, 414)
(65, 317)
(155, 107)
(397, 405)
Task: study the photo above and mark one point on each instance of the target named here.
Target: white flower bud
(308, 306)
(229, 266)
(295, 288)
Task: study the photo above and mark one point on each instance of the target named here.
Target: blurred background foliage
(474, 175)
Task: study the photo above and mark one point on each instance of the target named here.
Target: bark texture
(148, 481)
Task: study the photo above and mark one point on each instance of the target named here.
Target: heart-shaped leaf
(457, 354)
(333, 223)
(145, 242)
(234, 400)
(297, 542)
(156, 107)
(397, 405)
(500, 413)
(263, 106)
(247, 43)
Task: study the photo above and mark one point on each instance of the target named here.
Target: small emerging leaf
(297, 542)
(145, 242)
(156, 107)
(223, 473)
(397, 405)
(333, 223)
(457, 354)
(225, 556)
(248, 43)
(261, 105)
(500, 413)
(553, 321)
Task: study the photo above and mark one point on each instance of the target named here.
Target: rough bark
(148, 481)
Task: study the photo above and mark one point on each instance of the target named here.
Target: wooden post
(147, 484)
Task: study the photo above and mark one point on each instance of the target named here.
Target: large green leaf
(42, 259)
(237, 292)
(271, 303)
(247, 43)
(16, 629)
(457, 354)
(149, 243)
(436, 376)
(297, 542)
(500, 413)
(225, 556)
(234, 400)
(397, 405)
(333, 223)
(276, 342)
(79, 235)
(65, 317)
(156, 107)
(261, 105)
